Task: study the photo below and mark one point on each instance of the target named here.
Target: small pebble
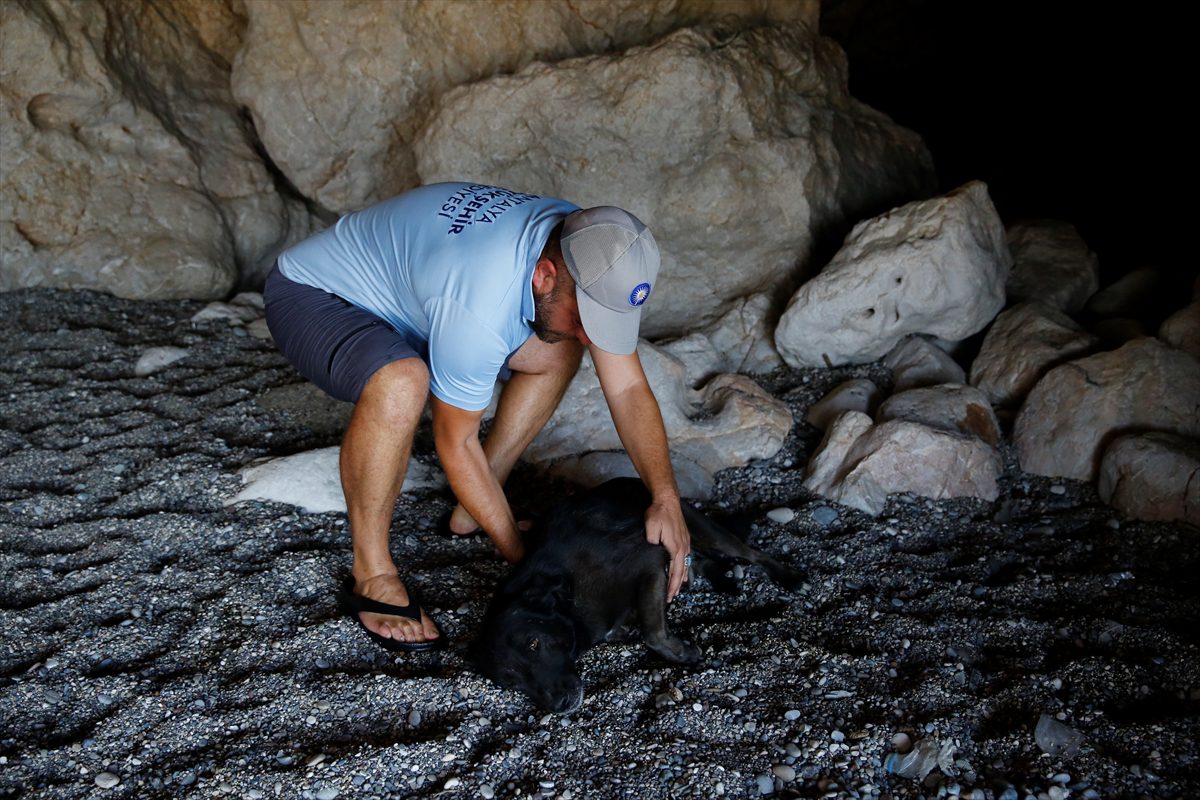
(784, 772)
(486, 791)
(824, 516)
(782, 516)
(902, 742)
(414, 718)
(106, 780)
(838, 736)
(1058, 488)
(327, 793)
(766, 785)
(452, 783)
(792, 714)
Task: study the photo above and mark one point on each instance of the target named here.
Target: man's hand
(665, 526)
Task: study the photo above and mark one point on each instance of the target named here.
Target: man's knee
(398, 389)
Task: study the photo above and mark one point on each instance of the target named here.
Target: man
(436, 293)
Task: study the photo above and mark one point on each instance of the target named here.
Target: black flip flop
(353, 604)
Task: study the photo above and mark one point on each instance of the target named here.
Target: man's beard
(541, 312)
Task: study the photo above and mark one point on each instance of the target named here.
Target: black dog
(588, 570)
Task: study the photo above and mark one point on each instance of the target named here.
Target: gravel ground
(154, 643)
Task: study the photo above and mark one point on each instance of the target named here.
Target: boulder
(949, 407)
(1079, 406)
(1051, 264)
(824, 468)
(1182, 329)
(857, 394)
(902, 456)
(338, 90)
(1131, 295)
(1023, 343)
(734, 148)
(740, 341)
(127, 165)
(933, 267)
(1152, 476)
(728, 423)
(312, 481)
(918, 362)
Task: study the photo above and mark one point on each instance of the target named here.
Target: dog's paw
(678, 651)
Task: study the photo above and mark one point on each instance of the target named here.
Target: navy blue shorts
(332, 342)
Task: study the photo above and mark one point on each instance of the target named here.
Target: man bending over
(439, 292)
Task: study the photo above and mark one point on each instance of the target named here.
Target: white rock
(127, 167)
(917, 362)
(1023, 343)
(1153, 476)
(733, 148)
(744, 336)
(934, 267)
(949, 407)
(699, 357)
(824, 467)
(1080, 405)
(156, 358)
(781, 516)
(338, 90)
(233, 314)
(901, 456)
(311, 481)
(729, 422)
(856, 394)
(1051, 264)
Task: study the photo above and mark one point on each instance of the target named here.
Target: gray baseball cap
(614, 260)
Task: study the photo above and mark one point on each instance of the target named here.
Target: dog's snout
(571, 701)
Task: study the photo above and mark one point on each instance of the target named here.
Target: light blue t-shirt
(449, 266)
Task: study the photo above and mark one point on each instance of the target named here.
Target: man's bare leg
(541, 374)
(374, 458)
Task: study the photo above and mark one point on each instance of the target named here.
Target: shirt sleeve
(465, 356)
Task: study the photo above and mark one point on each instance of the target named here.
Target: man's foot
(401, 624)
(461, 523)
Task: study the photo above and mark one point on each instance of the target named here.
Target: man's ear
(545, 277)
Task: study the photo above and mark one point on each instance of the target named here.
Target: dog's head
(528, 642)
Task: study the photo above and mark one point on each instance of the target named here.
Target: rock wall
(127, 164)
(171, 148)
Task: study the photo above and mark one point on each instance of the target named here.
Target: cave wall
(171, 148)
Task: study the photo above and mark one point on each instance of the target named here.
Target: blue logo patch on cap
(639, 294)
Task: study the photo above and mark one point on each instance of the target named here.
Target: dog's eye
(533, 644)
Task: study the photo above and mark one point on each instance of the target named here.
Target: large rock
(824, 468)
(339, 89)
(902, 456)
(949, 407)
(312, 480)
(856, 394)
(736, 149)
(1154, 476)
(127, 166)
(1079, 406)
(1182, 329)
(1023, 343)
(1051, 264)
(740, 341)
(934, 267)
(728, 423)
(918, 362)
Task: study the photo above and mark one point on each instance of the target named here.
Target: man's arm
(456, 436)
(639, 423)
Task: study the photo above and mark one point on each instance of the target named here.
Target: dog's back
(588, 570)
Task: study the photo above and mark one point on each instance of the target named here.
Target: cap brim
(614, 332)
